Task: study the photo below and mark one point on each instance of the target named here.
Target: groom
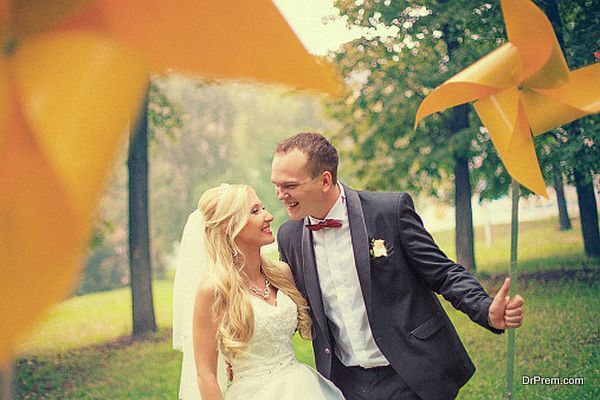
(370, 272)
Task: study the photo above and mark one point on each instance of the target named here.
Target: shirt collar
(338, 210)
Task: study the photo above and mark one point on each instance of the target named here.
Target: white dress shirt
(340, 287)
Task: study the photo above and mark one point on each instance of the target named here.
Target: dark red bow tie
(327, 223)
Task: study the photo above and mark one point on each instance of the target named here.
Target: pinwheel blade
(528, 28)
(545, 113)
(504, 117)
(67, 94)
(69, 110)
(231, 39)
(41, 237)
(487, 76)
(72, 90)
(548, 109)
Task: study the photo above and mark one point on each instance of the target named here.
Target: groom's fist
(506, 312)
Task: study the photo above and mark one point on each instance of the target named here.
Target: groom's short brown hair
(321, 154)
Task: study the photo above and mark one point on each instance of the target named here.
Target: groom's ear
(326, 180)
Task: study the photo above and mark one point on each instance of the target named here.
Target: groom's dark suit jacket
(407, 320)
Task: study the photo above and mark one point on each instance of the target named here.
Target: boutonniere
(377, 248)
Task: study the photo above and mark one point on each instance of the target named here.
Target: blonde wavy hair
(226, 210)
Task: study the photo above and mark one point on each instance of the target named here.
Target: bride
(245, 308)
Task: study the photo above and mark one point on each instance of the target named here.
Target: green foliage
(106, 264)
(580, 19)
(164, 116)
(104, 270)
(388, 78)
(430, 41)
(574, 147)
(103, 227)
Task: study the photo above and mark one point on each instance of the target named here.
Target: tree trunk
(464, 238)
(563, 213)
(465, 252)
(586, 199)
(139, 238)
(588, 213)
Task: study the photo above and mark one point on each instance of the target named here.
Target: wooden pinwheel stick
(514, 233)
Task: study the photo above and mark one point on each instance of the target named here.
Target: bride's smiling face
(257, 231)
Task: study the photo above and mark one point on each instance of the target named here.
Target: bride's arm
(205, 345)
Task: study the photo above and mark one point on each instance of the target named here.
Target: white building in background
(440, 217)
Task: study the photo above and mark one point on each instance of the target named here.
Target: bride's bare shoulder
(205, 292)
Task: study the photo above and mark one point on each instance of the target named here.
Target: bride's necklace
(264, 293)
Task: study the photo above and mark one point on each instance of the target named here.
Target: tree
(140, 261)
(564, 221)
(389, 76)
(139, 236)
(576, 26)
(159, 115)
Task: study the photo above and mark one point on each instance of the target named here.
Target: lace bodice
(270, 348)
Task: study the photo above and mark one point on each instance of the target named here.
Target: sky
(306, 18)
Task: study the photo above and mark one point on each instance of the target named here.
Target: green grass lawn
(82, 351)
(560, 338)
(93, 319)
(542, 246)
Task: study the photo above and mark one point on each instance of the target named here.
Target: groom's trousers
(379, 383)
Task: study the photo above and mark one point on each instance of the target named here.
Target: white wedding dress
(268, 369)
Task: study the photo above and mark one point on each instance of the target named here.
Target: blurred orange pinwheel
(72, 75)
(523, 87)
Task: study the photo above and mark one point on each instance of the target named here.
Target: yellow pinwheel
(522, 87)
(72, 76)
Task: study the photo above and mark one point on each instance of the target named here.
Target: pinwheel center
(520, 87)
(9, 46)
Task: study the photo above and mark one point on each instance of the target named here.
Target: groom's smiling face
(301, 194)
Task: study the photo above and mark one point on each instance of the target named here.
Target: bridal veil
(192, 262)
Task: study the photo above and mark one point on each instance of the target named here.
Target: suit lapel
(309, 268)
(360, 243)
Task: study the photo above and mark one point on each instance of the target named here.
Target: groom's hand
(506, 312)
